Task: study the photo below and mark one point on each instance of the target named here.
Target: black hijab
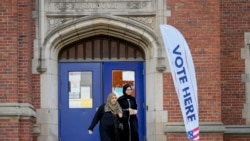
(125, 87)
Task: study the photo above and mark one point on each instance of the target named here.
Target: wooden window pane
(105, 48)
(79, 51)
(101, 47)
(72, 52)
(131, 52)
(113, 49)
(122, 49)
(88, 50)
(97, 49)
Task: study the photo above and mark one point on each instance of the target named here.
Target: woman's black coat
(108, 129)
(130, 122)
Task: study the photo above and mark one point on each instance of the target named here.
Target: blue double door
(83, 87)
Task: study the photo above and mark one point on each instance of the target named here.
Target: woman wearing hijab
(108, 115)
(129, 107)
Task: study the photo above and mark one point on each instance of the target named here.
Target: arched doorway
(89, 70)
(90, 26)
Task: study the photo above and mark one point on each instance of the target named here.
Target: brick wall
(36, 90)
(214, 31)
(235, 20)
(199, 22)
(16, 37)
(8, 54)
(236, 138)
(9, 129)
(24, 48)
(205, 137)
(15, 56)
(25, 129)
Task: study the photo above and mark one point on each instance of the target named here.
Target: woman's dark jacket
(130, 122)
(108, 129)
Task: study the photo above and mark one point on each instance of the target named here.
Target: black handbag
(120, 126)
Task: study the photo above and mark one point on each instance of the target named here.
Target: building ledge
(23, 110)
(237, 129)
(209, 127)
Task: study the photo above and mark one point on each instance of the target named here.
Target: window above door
(101, 48)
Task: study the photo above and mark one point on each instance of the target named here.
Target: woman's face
(129, 91)
(113, 99)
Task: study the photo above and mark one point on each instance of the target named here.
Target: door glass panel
(80, 89)
(120, 78)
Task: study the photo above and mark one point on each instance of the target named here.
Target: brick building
(45, 44)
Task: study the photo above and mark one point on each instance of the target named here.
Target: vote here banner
(184, 78)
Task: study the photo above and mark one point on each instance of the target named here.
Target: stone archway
(47, 116)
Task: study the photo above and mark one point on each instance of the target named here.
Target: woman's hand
(120, 115)
(132, 111)
(90, 131)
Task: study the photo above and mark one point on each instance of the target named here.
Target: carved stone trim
(246, 76)
(36, 129)
(16, 110)
(146, 20)
(56, 21)
(246, 112)
(245, 52)
(100, 5)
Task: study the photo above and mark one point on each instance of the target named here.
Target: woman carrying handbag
(129, 107)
